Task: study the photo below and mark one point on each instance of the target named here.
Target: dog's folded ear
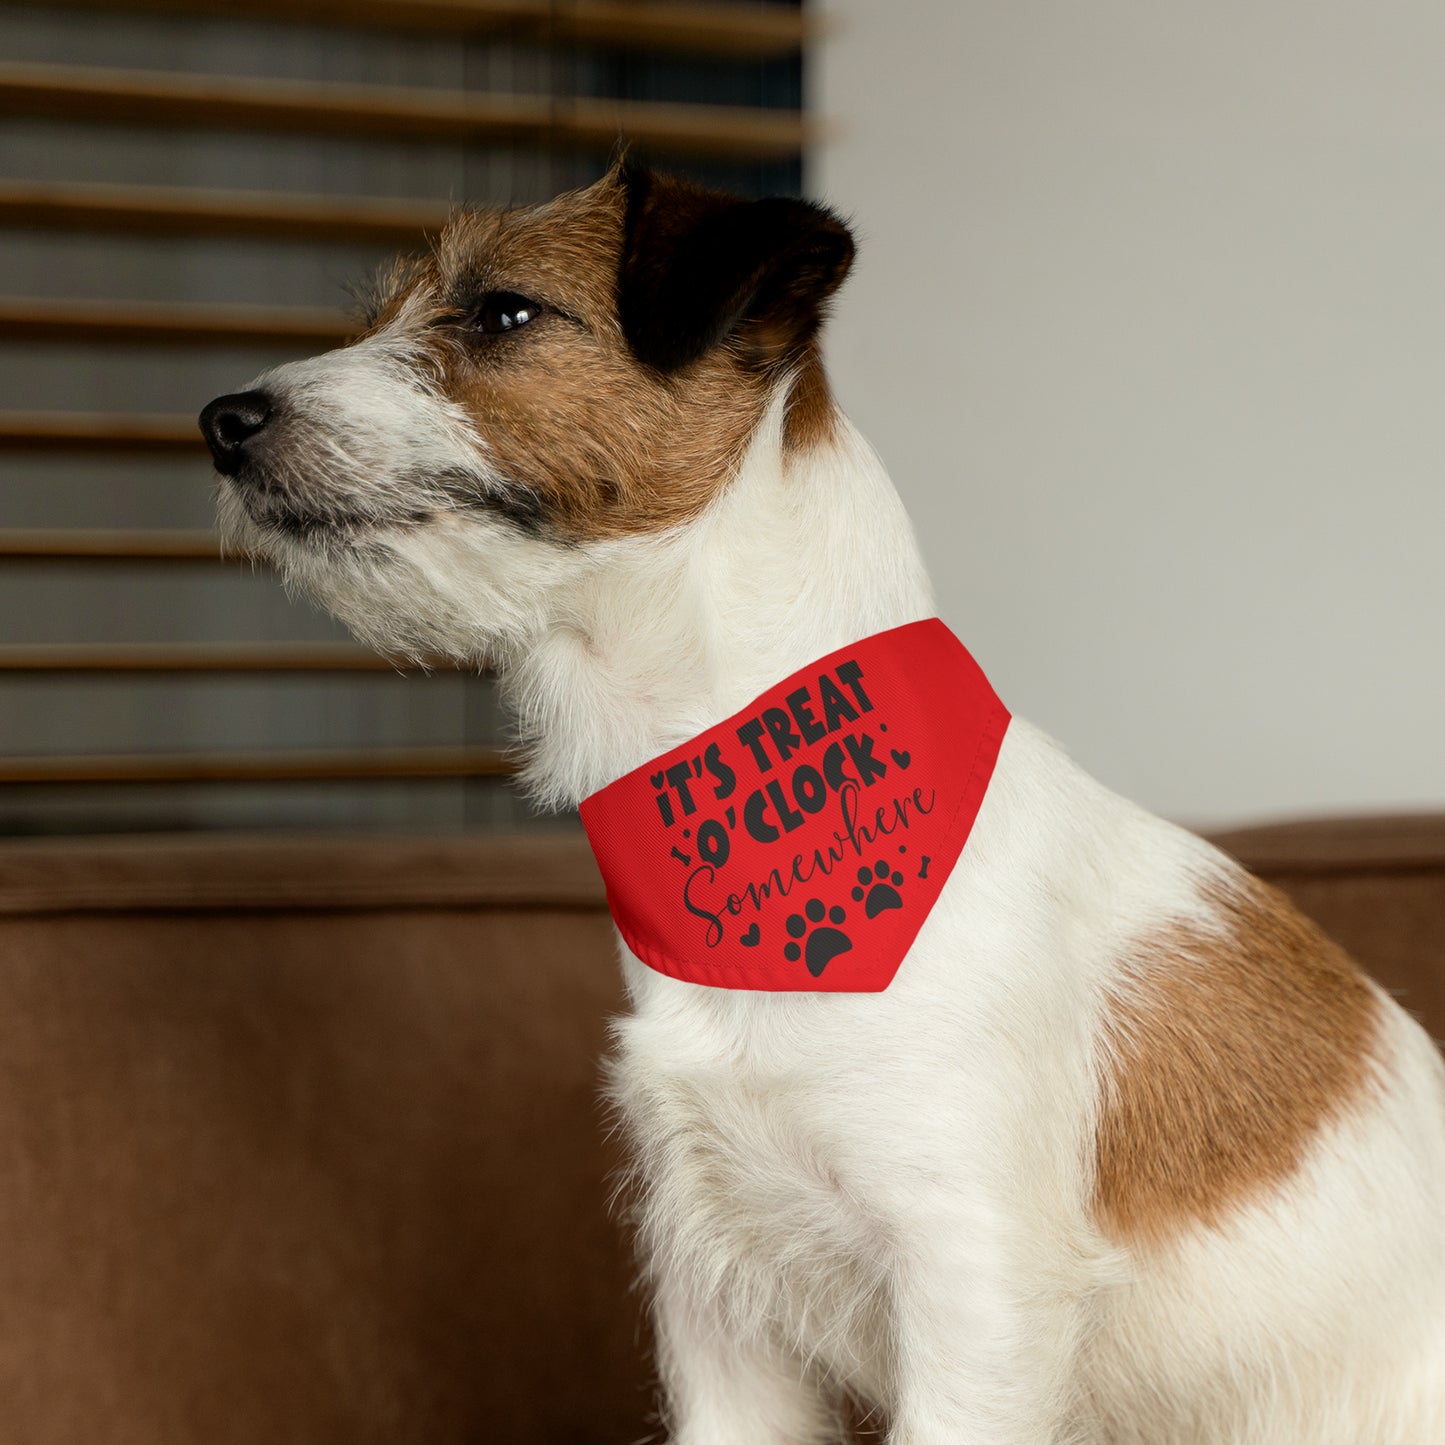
(700, 266)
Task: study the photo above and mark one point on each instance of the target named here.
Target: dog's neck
(804, 553)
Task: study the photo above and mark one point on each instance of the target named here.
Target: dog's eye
(504, 311)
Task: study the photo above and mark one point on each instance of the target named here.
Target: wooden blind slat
(176, 210)
(81, 431)
(755, 32)
(259, 767)
(134, 657)
(217, 102)
(76, 544)
(708, 29)
(98, 432)
(169, 323)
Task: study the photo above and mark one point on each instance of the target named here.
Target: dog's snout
(229, 422)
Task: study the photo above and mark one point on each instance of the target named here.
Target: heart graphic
(750, 938)
(902, 759)
(658, 779)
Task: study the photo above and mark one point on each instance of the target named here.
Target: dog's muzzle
(230, 422)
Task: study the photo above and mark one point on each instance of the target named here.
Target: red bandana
(800, 844)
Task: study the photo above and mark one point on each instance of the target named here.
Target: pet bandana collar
(800, 844)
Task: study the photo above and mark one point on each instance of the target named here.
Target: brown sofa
(300, 1138)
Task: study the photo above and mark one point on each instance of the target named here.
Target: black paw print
(879, 885)
(823, 944)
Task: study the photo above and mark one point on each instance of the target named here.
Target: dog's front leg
(984, 1348)
(721, 1387)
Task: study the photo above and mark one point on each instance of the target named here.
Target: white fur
(889, 1193)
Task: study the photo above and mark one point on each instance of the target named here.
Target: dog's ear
(699, 266)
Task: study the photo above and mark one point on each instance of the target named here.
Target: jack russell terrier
(957, 1086)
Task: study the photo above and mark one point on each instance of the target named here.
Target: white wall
(1149, 324)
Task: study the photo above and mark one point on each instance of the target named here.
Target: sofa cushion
(303, 1142)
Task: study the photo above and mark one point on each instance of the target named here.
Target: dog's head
(546, 384)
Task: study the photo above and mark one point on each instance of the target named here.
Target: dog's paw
(823, 944)
(877, 889)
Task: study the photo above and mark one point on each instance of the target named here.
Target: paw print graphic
(877, 889)
(823, 943)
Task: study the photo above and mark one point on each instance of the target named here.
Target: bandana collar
(800, 844)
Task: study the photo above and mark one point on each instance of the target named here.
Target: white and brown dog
(1127, 1152)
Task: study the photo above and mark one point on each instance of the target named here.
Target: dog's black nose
(229, 422)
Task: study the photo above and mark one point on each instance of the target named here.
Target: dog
(1126, 1152)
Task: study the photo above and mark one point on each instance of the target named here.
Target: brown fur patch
(603, 445)
(812, 413)
(1226, 1054)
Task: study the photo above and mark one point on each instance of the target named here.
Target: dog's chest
(744, 1186)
